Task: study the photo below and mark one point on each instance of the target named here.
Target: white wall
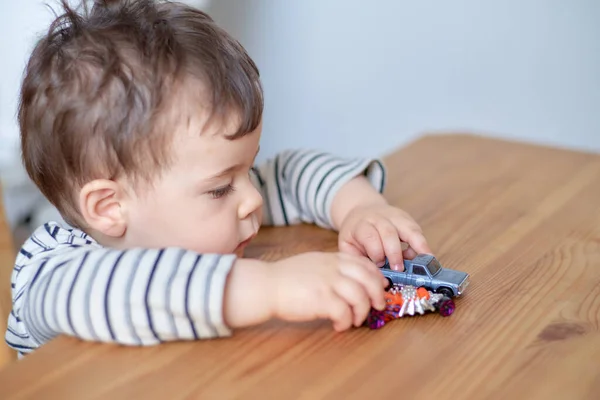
(363, 77)
(360, 77)
(21, 22)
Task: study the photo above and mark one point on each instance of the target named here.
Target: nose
(251, 201)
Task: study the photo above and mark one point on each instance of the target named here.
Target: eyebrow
(231, 169)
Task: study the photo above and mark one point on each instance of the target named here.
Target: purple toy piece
(446, 307)
(378, 319)
(410, 304)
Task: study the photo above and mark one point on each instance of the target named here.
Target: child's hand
(376, 231)
(340, 287)
(368, 226)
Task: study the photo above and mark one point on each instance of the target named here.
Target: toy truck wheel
(446, 291)
(446, 307)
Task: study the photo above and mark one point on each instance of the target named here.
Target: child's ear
(100, 202)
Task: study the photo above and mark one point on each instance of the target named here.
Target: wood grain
(7, 260)
(523, 220)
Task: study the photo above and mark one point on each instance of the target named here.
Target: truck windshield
(434, 266)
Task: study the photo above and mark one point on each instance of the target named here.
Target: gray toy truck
(425, 270)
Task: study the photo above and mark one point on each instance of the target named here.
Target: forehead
(201, 138)
(227, 114)
(206, 150)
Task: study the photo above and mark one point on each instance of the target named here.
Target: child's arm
(134, 297)
(340, 194)
(300, 185)
(335, 286)
(72, 286)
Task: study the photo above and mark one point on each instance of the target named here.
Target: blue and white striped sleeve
(300, 185)
(132, 297)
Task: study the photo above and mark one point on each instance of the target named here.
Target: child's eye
(221, 192)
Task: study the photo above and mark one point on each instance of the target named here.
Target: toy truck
(425, 271)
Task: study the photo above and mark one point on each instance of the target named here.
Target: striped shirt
(65, 282)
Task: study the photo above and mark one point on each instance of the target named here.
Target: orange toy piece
(406, 300)
(394, 298)
(423, 293)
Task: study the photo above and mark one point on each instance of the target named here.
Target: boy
(140, 122)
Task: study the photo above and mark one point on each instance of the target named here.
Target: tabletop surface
(7, 260)
(522, 220)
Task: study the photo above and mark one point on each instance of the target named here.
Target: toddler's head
(140, 121)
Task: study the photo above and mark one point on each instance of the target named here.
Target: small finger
(356, 296)
(357, 254)
(409, 254)
(340, 313)
(413, 235)
(369, 238)
(391, 244)
(371, 282)
(418, 243)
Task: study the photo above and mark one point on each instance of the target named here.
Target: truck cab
(425, 271)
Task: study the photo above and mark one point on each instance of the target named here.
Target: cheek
(148, 216)
(168, 217)
(209, 229)
(259, 216)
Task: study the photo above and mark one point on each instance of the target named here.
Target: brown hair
(99, 84)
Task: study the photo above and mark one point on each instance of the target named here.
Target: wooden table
(523, 220)
(7, 261)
